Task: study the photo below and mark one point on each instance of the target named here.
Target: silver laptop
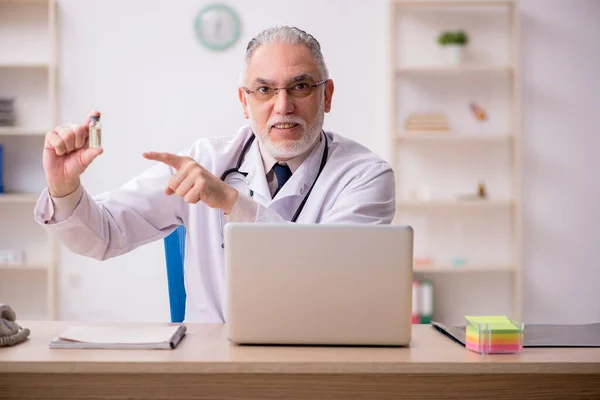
(318, 284)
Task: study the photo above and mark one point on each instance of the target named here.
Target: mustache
(287, 119)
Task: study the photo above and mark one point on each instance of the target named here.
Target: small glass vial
(95, 133)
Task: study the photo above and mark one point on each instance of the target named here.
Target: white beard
(286, 150)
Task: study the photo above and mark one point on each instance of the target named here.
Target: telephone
(10, 332)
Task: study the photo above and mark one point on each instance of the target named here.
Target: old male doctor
(282, 168)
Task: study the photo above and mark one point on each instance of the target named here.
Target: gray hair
(289, 35)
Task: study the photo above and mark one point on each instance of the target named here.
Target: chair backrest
(175, 254)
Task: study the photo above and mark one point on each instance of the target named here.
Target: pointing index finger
(170, 159)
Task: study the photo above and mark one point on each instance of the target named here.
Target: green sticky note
(496, 323)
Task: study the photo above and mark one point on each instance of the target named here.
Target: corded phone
(10, 332)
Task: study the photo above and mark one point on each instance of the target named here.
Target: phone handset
(10, 331)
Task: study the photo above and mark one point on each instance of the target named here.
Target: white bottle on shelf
(459, 257)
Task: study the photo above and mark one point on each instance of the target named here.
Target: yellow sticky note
(495, 323)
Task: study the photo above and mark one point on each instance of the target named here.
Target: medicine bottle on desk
(95, 132)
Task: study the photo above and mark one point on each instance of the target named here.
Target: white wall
(561, 93)
(140, 64)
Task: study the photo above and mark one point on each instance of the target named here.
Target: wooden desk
(206, 365)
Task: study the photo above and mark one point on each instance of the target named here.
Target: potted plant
(453, 44)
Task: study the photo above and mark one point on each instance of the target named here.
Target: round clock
(217, 26)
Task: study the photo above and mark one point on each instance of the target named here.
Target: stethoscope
(239, 162)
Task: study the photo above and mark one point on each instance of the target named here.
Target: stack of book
(422, 301)
(426, 123)
(1, 168)
(7, 112)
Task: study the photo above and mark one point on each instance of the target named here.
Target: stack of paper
(120, 337)
(494, 334)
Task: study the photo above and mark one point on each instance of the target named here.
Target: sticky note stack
(495, 334)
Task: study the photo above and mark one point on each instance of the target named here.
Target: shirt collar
(294, 163)
(256, 177)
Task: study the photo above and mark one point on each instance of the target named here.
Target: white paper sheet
(119, 335)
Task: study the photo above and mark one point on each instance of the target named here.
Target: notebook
(119, 337)
(540, 335)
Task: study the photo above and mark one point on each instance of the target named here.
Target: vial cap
(95, 118)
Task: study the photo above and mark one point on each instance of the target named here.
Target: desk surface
(205, 349)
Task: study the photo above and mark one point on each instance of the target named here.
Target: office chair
(175, 254)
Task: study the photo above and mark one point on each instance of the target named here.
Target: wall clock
(217, 26)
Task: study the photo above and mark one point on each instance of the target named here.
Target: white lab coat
(356, 186)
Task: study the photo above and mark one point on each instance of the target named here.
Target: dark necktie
(283, 173)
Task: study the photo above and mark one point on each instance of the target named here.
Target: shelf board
(24, 1)
(20, 131)
(455, 2)
(25, 267)
(32, 317)
(24, 65)
(454, 203)
(445, 70)
(452, 137)
(462, 269)
(19, 197)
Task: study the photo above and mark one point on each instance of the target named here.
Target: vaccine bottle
(95, 133)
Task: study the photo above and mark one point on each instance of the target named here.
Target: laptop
(312, 284)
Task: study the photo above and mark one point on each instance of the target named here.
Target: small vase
(454, 54)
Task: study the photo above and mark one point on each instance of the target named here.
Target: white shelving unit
(20, 267)
(464, 270)
(485, 234)
(16, 131)
(18, 198)
(455, 204)
(461, 138)
(445, 70)
(22, 65)
(28, 66)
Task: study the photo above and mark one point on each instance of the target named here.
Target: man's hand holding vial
(68, 151)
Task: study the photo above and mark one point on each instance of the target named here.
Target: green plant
(457, 37)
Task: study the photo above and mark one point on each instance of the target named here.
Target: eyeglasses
(296, 91)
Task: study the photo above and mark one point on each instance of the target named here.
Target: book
(416, 317)
(120, 337)
(424, 123)
(426, 300)
(1, 168)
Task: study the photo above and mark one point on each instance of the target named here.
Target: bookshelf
(448, 70)
(20, 198)
(17, 131)
(445, 138)
(28, 67)
(471, 269)
(455, 204)
(20, 267)
(468, 246)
